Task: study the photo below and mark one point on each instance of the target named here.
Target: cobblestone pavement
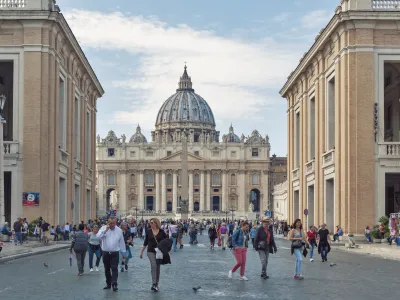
(353, 277)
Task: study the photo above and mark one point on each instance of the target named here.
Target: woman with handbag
(153, 237)
(265, 244)
(94, 248)
(298, 237)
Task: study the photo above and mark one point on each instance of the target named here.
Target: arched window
(149, 178)
(169, 179)
(133, 179)
(254, 179)
(215, 179)
(233, 179)
(111, 179)
(196, 179)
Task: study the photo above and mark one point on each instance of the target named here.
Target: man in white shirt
(112, 244)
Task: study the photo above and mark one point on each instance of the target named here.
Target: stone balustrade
(310, 167)
(29, 5)
(295, 174)
(385, 4)
(78, 166)
(89, 172)
(391, 149)
(64, 157)
(328, 158)
(10, 148)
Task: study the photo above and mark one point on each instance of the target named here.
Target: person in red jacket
(312, 240)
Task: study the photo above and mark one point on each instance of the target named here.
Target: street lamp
(2, 121)
(136, 209)
(232, 209)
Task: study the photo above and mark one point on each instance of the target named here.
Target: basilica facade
(228, 174)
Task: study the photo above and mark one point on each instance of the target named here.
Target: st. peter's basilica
(225, 174)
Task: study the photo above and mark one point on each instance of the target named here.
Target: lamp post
(232, 209)
(2, 121)
(136, 209)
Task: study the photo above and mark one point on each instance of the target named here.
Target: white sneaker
(91, 270)
(96, 269)
(244, 278)
(230, 274)
(311, 259)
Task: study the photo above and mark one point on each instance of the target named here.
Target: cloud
(316, 19)
(281, 18)
(231, 74)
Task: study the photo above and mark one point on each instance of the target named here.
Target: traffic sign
(267, 213)
(306, 212)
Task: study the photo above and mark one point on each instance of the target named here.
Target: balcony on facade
(310, 167)
(389, 150)
(78, 166)
(328, 158)
(295, 174)
(10, 152)
(385, 4)
(64, 158)
(29, 5)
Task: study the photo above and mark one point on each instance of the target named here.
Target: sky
(238, 53)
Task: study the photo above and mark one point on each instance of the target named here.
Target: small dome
(231, 137)
(138, 137)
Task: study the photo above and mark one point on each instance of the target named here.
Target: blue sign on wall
(267, 213)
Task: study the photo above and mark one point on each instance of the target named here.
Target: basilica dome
(138, 137)
(231, 137)
(185, 108)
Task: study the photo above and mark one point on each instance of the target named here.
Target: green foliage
(375, 232)
(32, 225)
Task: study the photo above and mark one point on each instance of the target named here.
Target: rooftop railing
(28, 5)
(385, 4)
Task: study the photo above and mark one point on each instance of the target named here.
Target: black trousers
(110, 261)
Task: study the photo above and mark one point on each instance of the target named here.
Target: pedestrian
(240, 242)
(253, 232)
(173, 234)
(79, 244)
(179, 232)
(339, 233)
(112, 243)
(297, 236)
(128, 242)
(94, 248)
(153, 237)
(223, 235)
(212, 234)
(312, 240)
(324, 242)
(18, 232)
(45, 231)
(265, 244)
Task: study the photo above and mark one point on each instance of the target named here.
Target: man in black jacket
(265, 244)
(80, 242)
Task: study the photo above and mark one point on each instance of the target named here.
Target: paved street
(354, 277)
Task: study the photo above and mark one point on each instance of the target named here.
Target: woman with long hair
(153, 237)
(298, 238)
(94, 248)
(212, 234)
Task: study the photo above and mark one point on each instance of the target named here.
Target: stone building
(277, 175)
(280, 201)
(343, 119)
(49, 137)
(223, 175)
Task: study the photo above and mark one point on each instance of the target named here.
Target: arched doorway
(215, 203)
(169, 206)
(108, 198)
(255, 199)
(149, 202)
(196, 206)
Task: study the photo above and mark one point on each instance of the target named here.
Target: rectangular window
(216, 190)
(62, 118)
(330, 115)
(77, 129)
(169, 153)
(133, 154)
(88, 140)
(149, 190)
(297, 140)
(196, 190)
(149, 153)
(311, 130)
(111, 152)
(169, 190)
(254, 152)
(216, 179)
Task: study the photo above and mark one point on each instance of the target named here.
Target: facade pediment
(178, 157)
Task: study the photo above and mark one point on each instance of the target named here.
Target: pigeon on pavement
(196, 288)
(332, 264)
(46, 265)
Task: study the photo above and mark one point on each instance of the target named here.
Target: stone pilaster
(190, 191)
(158, 192)
(141, 189)
(163, 193)
(122, 200)
(224, 191)
(174, 190)
(208, 190)
(202, 191)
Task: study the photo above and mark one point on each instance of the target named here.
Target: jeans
(128, 256)
(155, 267)
(264, 254)
(299, 261)
(368, 236)
(92, 252)
(110, 261)
(324, 252)
(18, 238)
(193, 237)
(312, 246)
(240, 255)
(80, 260)
(66, 235)
(173, 243)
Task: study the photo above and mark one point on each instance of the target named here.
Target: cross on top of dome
(185, 82)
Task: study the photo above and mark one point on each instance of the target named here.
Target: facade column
(224, 196)
(242, 192)
(202, 191)
(208, 190)
(141, 189)
(122, 193)
(158, 190)
(100, 193)
(163, 193)
(265, 201)
(190, 191)
(174, 190)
